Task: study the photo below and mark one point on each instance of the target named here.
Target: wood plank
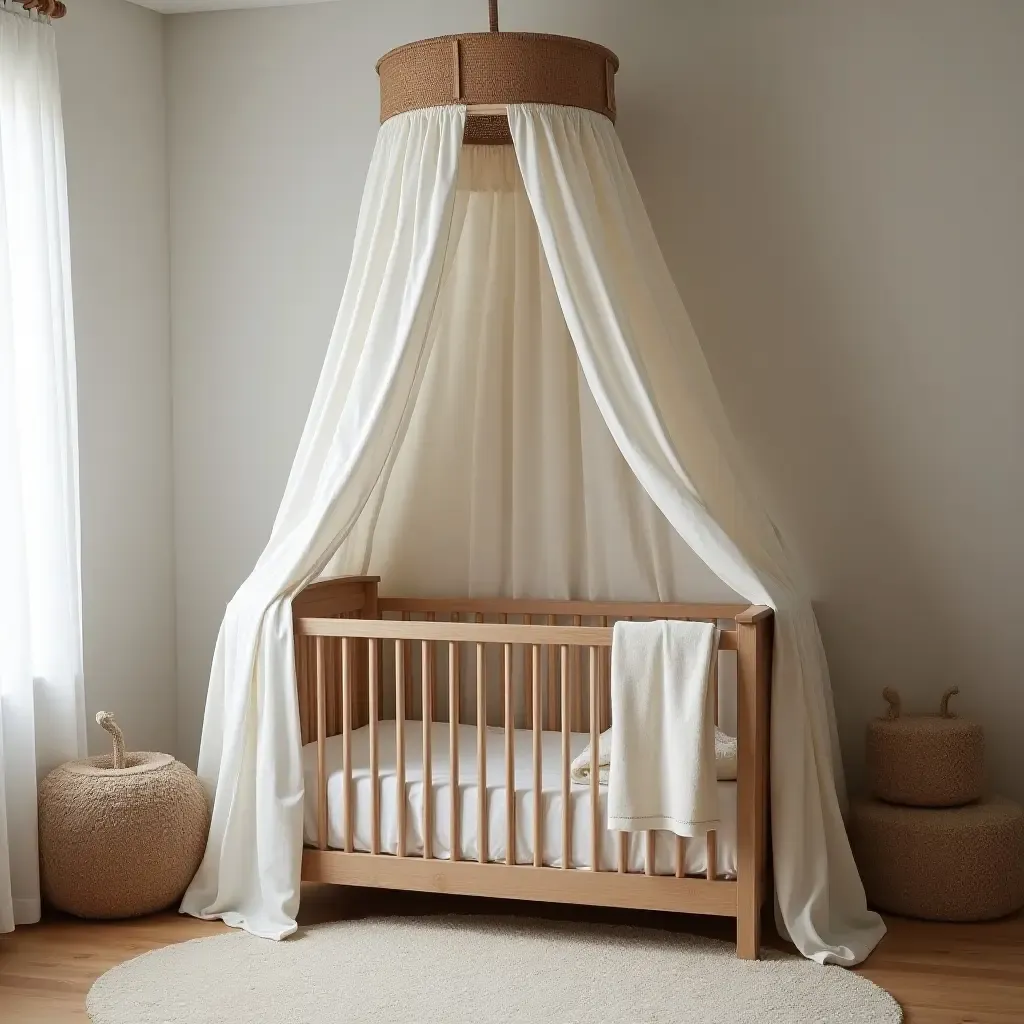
(321, 746)
(520, 606)
(481, 755)
(510, 756)
(374, 657)
(400, 688)
(453, 750)
(752, 671)
(538, 802)
(566, 763)
(523, 881)
(596, 828)
(346, 741)
(426, 706)
(472, 632)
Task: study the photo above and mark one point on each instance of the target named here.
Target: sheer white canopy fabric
(42, 706)
(540, 421)
(645, 367)
(250, 755)
(507, 465)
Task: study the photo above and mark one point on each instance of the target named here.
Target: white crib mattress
(695, 852)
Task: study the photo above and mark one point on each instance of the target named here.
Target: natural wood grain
(473, 632)
(940, 973)
(401, 686)
(481, 755)
(321, 747)
(374, 657)
(453, 748)
(522, 882)
(419, 623)
(595, 772)
(426, 711)
(510, 756)
(526, 606)
(753, 668)
(346, 735)
(538, 819)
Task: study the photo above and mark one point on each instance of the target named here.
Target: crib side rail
(474, 632)
(538, 610)
(415, 644)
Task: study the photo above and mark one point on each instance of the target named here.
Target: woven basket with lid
(925, 760)
(121, 834)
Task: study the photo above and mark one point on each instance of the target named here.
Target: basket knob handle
(492, 14)
(944, 711)
(105, 720)
(893, 699)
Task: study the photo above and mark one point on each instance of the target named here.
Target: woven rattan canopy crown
(486, 70)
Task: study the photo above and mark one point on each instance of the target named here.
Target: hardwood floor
(941, 974)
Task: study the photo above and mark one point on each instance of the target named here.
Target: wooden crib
(401, 665)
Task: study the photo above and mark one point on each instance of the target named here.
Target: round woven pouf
(925, 760)
(121, 834)
(954, 864)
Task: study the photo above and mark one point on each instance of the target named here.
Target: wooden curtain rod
(53, 9)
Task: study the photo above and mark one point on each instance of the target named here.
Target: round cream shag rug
(478, 971)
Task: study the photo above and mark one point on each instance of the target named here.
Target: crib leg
(753, 668)
(748, 931)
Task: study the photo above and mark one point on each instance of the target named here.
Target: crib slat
(346, 737)
(531, 672)
(407, 670)
(680, 856)
(300, 685)
(479, 618)
(566, 758)
(453, 749)
(374, 661)
(426, 704)
(649, 837)
(400, 686)
(510, 757)
(552, 701)
(321, 746)
(714, 685)
(310, 645)
(576, 693)
(712, 865)
(595, 823)
(332, 688)
(623, 857)
(604, 674)
(481, 755)
(538, 820)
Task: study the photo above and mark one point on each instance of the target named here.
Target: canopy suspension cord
(492, 14)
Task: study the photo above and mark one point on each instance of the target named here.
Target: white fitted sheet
(695, 852)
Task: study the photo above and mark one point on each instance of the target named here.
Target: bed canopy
(513, 403)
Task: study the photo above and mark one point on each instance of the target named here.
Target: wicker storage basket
(925, 760)
(121, 834)
(952, 864)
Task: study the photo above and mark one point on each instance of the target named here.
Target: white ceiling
(190, 6)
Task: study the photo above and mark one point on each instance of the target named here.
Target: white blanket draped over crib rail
(643, 365)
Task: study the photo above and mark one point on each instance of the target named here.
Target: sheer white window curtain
(41, 690)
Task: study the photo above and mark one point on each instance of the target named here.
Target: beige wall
(837, 190)
(112, 83)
